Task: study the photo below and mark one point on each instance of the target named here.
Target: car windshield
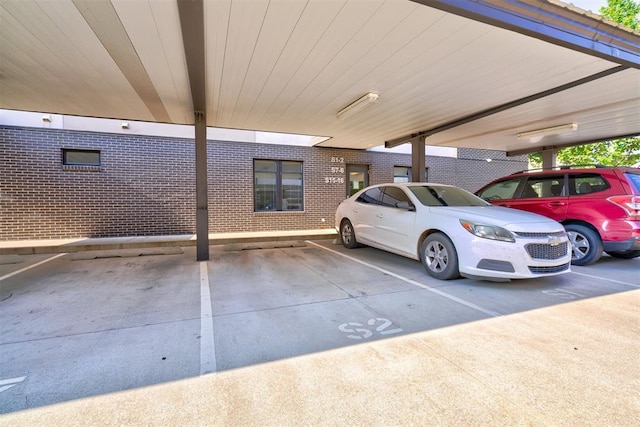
(436, 195)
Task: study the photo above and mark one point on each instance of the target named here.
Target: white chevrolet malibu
(453, 232)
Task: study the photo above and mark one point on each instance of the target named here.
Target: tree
(625, 151)
(625, 12)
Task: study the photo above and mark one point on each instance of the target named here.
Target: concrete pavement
(534, 368)
(292, 344)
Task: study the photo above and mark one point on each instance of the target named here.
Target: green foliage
(625, 151)
(624, 12)
(622, 152)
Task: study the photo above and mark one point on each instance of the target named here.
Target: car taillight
(631, 204)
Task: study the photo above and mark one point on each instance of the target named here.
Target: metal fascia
(554, 23)
(571, 144)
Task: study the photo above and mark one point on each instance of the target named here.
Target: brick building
(59, 182)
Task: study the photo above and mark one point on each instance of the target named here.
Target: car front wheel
(347, 235)
(586, 246)
(439, 257)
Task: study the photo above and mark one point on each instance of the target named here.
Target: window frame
(366, 196)
(603, 185)
(66, 162)
(279, 186)
(409, 175)
(389, 200)
(518, 181)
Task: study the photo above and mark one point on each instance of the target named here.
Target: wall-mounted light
(538, 134)
(125, 125)
(357, 105)
(46, 118)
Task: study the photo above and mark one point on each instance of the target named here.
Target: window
(403, 174)
(501, 190)
(371, 196)
(394, 195)
(546, 186)
(634, 180)
(74, 157)
(586, 183)
(444, 195)
(277, 185)
(358, 178)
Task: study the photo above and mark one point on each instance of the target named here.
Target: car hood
(512, 219)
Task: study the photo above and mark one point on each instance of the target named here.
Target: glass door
(358, 178)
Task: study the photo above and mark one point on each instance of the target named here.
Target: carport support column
(549, 158)
(202, 199)
(418, 161)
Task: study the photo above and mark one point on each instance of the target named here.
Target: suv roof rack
(564, 167)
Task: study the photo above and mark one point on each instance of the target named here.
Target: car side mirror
(406, 205)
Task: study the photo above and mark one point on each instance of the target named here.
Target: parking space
(75, 326)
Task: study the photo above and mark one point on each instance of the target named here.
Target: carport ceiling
(290, 66)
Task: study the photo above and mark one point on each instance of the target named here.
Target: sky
(592, 5)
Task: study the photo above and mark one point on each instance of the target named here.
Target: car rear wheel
(439, 257)
(625, 254)
(347, 235)
(586, 246)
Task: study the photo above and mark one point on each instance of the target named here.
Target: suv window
(586, 183)
(547, 186)
(393, 195)
(501, 190)
(634, 179)
(371, 196)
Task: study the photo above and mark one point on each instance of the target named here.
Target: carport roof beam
(503, 107)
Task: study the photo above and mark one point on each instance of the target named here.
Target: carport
(138, 333)
(518, 76)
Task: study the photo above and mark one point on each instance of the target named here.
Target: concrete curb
(34, 247)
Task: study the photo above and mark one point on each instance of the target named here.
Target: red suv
(599, 206)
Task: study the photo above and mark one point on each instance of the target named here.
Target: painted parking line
(635, 285)
(412, 282)
(11, 382)
(207, 344)
(22, 270)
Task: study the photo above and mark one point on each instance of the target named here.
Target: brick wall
(146, 185)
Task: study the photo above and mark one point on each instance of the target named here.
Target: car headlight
(488, 231)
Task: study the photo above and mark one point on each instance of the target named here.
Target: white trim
(93, 124)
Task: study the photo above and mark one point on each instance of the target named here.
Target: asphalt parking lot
(309, 332)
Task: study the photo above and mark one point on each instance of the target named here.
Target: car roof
(573, 168)
(411, 184)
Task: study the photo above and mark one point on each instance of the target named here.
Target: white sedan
(453, 232)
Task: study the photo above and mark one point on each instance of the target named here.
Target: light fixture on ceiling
(46, 118)
(125, 125)
(357, 105)
(538, 134)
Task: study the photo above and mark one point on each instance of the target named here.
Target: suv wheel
(586, 246)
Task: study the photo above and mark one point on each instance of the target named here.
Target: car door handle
(554, 204)
(380, 215)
